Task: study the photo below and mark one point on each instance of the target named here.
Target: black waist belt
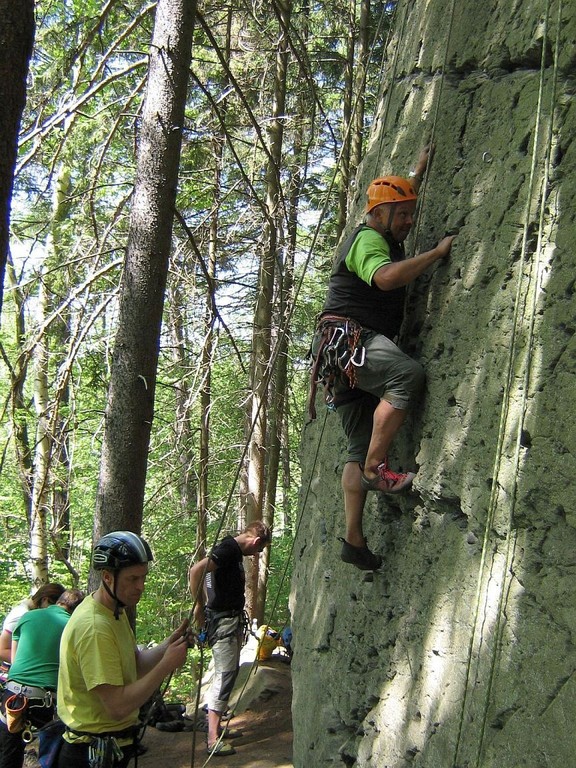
(215, 615)
(126, 733)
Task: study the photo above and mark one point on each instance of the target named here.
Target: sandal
(220, 749)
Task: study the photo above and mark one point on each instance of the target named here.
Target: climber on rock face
(368, 380)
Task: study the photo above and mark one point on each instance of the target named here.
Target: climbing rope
(197, 702)
(284, 575)
(533, 278)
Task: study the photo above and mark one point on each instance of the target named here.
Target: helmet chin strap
(119, 604)
(390, 219)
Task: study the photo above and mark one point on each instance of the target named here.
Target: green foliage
(79, 136)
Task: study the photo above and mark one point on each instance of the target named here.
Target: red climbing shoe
(361, 557)
(387, 481)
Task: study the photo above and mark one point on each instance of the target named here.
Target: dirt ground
(263, 715)
(262, 707)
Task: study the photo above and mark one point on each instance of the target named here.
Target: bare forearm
(153, 665)
(121, 701)
(197, 575)
(197, 584)
(5, 646)
(401, 273)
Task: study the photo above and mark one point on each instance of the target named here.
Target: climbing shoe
(221, 749)
(231, 733)
(387, 481)
(361, 557)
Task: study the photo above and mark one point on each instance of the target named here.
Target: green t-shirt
(368, 253)
(96, 649)
(38, 634)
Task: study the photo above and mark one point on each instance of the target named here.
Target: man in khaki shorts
(217, 585)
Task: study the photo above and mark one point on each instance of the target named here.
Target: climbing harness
(19, 708)
(339, 352)
(103, 748)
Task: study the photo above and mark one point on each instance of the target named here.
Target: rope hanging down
(524, 281)
(270, 367)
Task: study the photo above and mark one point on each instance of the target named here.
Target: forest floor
(262, 713)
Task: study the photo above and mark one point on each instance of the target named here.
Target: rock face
(461, 652)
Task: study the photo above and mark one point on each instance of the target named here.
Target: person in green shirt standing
(34, 672)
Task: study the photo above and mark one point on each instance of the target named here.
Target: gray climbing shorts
(226, 644)
(387, 374)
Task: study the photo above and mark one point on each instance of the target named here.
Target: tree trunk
(347, 105)
(357, 121)
(182, 427)
(218, 144)
(60, 283)
(16, 41)
(206, 366)
(254, 486)
(18, 410)
(40, 487)
(50, 480)
(130, 406)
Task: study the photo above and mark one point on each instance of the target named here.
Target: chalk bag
(16, 709)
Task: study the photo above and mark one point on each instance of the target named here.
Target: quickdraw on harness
(339, 352)
(103, 748)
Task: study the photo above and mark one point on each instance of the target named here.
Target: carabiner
(344, 360)
(358, 363)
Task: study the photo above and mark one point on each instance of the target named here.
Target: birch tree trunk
(40, 486)
(49, 502)
(130, 407)
(18, 409)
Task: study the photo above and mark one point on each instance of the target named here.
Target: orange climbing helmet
(389, 189)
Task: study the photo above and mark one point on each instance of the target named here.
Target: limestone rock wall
(461, 652)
